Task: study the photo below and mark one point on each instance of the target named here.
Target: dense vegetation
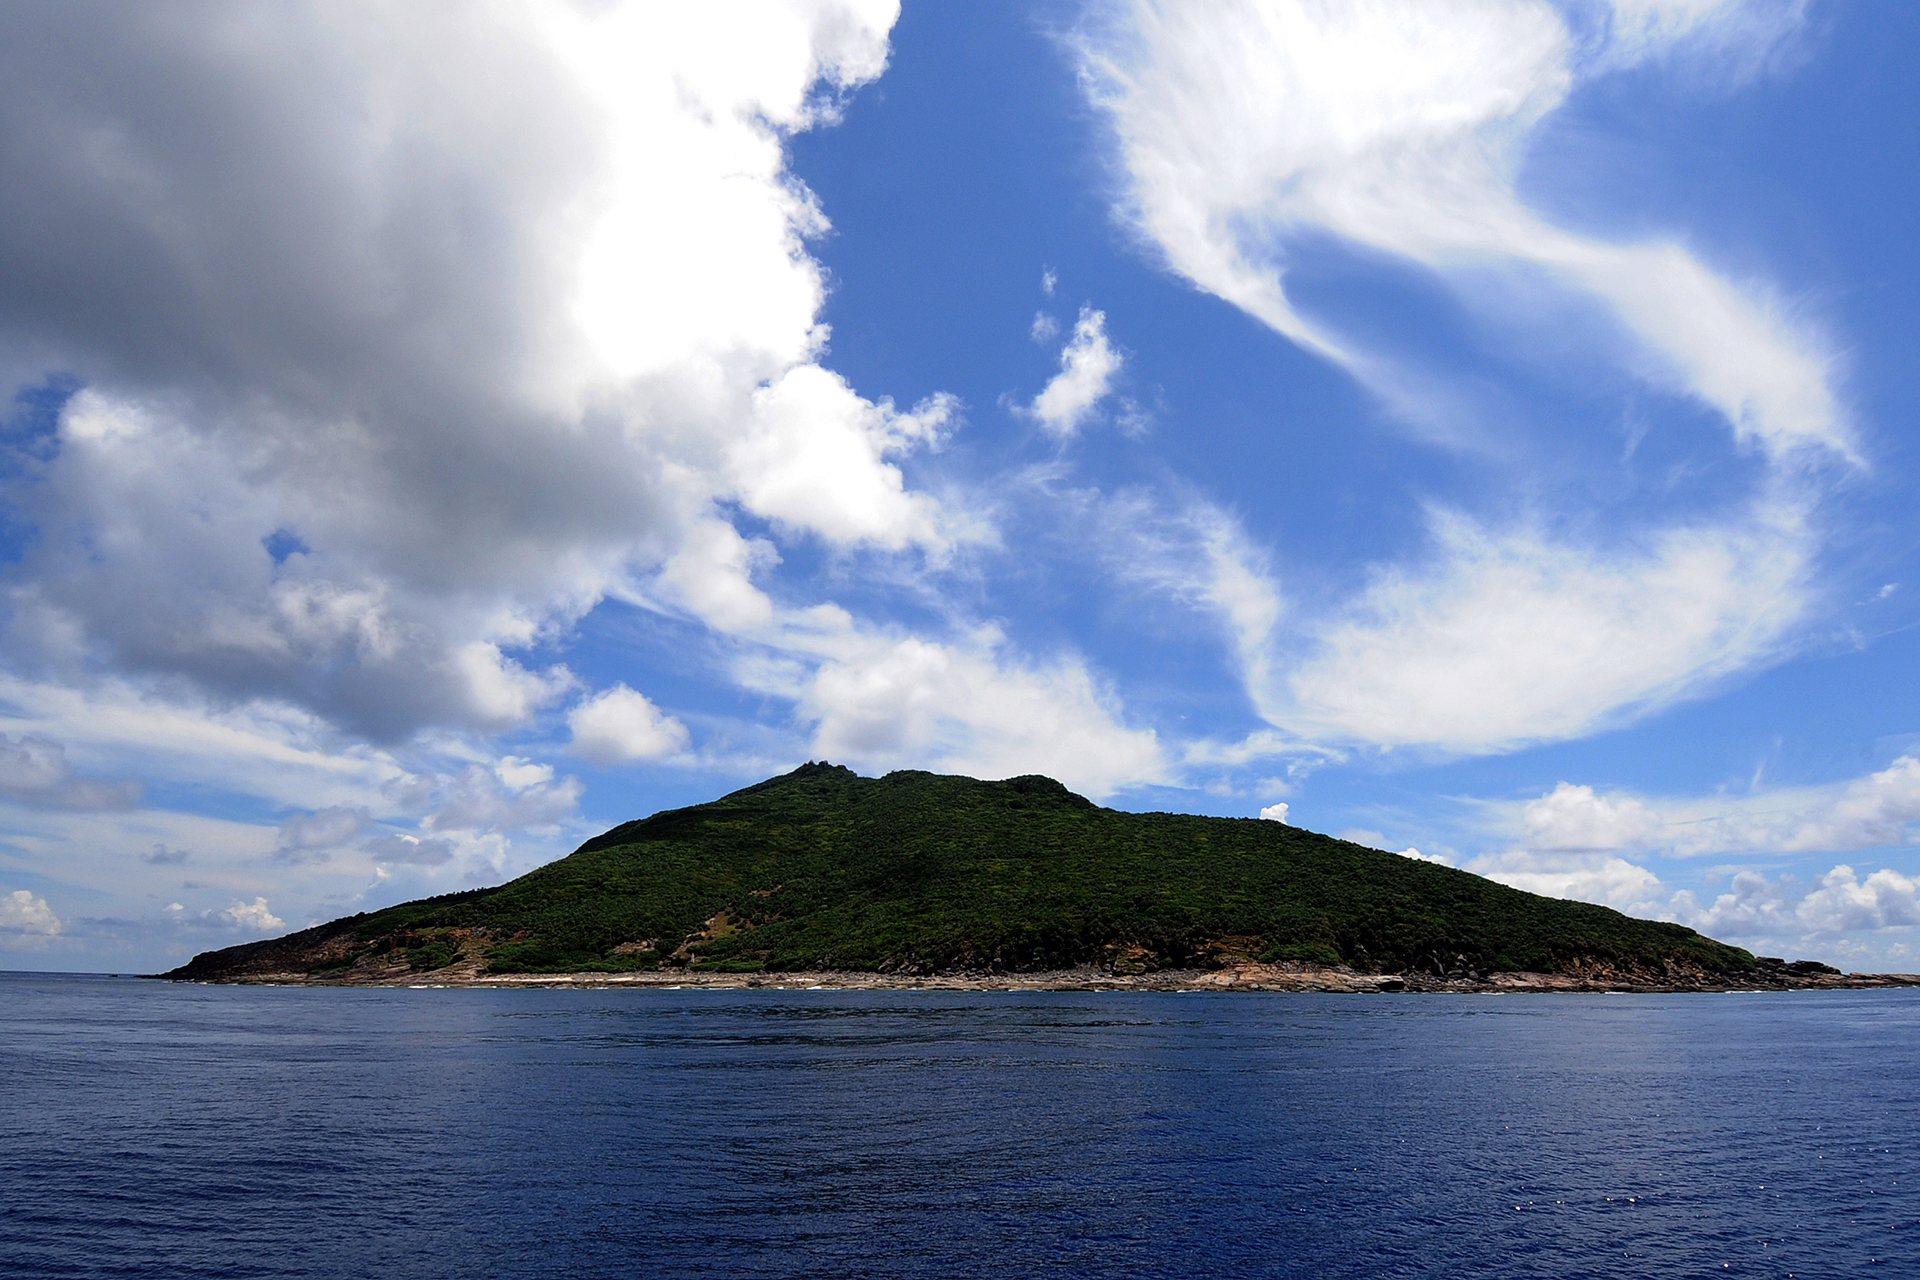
(823, 869)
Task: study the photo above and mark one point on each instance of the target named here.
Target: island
(821, 877)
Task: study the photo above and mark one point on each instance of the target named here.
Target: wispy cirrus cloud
(1868, 812)
(1241, 126)
(1503, 637)
(1248, 136)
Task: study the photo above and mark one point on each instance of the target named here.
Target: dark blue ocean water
(155, 1130)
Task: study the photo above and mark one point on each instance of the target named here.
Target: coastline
(1294, 977)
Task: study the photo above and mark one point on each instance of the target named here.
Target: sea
(154, 1129)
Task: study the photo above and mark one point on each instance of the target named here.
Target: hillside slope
(920, 872)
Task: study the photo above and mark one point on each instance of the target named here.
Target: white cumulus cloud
(1573, 818)
(253, 916)
(623, 725)
(1884, 900)
(22, 912)
(974, 708)
(1755, 905)
(1873, 811)
(401, 341)
(815, 458)
(398, 355)
(1585, 877)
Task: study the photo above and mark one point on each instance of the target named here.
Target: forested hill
(921, 872)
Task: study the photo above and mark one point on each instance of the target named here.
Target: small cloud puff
(1275, 812)
(1045, 327)
(622, 726)
(411, 850)
(1088, 365)
(1374, 840)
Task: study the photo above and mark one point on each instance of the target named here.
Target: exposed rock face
(1774, 969)
(383, 969)
(331, 954)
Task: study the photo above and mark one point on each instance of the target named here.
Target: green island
(824, 871)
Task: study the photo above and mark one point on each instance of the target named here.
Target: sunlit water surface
(155, 1130)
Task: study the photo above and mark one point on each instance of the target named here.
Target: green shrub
(1311, 952)
(431, 955)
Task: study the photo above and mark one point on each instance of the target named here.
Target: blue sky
(1481, 430)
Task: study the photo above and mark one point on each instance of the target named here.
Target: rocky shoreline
(1286, 977)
